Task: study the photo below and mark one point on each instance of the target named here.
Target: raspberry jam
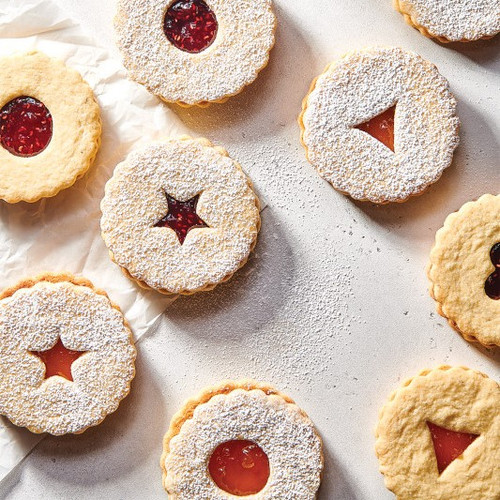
(381, 127)
(492, 284)
(239, 467)
(25, 126)
(58, 360)
(449, 445)
(181, 217)
(190, 25)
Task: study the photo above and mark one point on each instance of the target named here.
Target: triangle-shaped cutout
(381, 127)
(449, 445)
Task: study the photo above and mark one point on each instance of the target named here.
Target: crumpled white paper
(62, 233)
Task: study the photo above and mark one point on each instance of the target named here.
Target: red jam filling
(58, 360)
(239, 467)
(492, 284)
(381, 127)
(449, 445)
(181, 217)
(190, 25)
(25, 126)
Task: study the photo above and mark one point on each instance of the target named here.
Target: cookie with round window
(464, 270)
(380, 124)
(195, 52)
(452, 21)
(438, 436)
(50, 127)
(241, 439)
(66, 354)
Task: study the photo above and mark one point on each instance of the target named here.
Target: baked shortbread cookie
(464, 270)
(379, 124)
(66, 354)
(195, 52)
(452, 20)
(180, 216)
(438, 436)
(241, 439)
(50, 127)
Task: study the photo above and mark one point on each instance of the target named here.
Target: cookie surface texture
(452, 20)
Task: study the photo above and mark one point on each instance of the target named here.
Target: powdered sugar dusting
(240, 50)
(359, 87)
(285, 434)
(135, 200)
(32, 320)
(455, 20)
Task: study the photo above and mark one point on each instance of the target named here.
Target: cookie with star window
(66, 354)
(180, 216)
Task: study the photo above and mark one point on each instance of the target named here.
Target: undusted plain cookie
(50, 127)
(464, 270)
(438, 436)
(241, 439)
(380, 124)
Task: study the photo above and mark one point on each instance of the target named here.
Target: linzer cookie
(464, 270)
(241, 439)
(379, 124)
(66, 355)
(180, 216)
(195, 52)
(438, 436)
(50, 127)
(452, 20)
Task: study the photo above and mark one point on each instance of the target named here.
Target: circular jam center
(492, 284)
(58, 360)
(190, 25)
(381, 127)
(239, 467)
(25, 126)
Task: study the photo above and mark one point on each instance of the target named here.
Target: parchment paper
(62, 233)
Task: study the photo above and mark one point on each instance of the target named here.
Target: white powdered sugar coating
(281, 429)
(135, 201)
(359, 87)
(32, 320)
(454, 20)
(240, 50)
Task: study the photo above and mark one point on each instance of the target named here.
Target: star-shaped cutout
(381, 127)
(58, 360)
(181, 216)
(449, 445)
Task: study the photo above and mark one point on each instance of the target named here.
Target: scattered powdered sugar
(281, 429)
(359, 87)
(241, 49)
(32, 320)
(135, 201)
(455, 20)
